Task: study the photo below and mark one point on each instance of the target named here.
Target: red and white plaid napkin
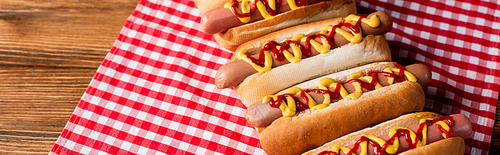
(154, 92)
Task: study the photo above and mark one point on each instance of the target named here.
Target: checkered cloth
(154, 92)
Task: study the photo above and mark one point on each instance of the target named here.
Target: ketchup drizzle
(327, 153)
(377, 149)
(308, 40)
(276, 103)
(300, 3)
(306, 48)
(363, 84)
(269, 46)
(234, 6)
(354, 28)
(336, 92)
(317, 91)
(401, 75)
(305, 52)
(268, 7)
(332, 31)
(405, 134)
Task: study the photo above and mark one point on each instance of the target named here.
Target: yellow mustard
(244, 9)
(393, 148)
(407, 74)
(357, 93)
(262, 9)
(268, 60)
(272, 4)
(292, 4)
(323, 85)
(373, 21)
(326, 83)
(322, 47)
(442, 124)
(297, 53)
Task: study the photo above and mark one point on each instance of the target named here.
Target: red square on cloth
(154, 92)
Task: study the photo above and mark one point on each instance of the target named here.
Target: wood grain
(495, 139)
(49, 52)
(60, 33)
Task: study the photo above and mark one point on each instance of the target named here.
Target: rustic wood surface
(495, 139)
(49, 52)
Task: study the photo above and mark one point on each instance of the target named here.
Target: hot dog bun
(207, 5)
(312, 128)
(449, 146)
(233, 37)
(256, 86)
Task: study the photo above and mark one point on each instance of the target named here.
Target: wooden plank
(35, 105)
(49, 52)
(495, 138)
(60, 33)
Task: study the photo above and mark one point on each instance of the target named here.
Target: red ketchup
(234, 6)
(277, 53)
(336, 93)
(317, 91)
(269, 46)
(355, 28)
(279, 100)
(308, 40)
(306, 49)
(300, 3)
(305, 52)
(364, 84)
(405, 134)
(400, 77)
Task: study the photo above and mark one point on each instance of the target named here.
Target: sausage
(462, 128)
(262, 114)
(234, 72)
(221, 19)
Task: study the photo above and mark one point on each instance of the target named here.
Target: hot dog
(444, 135)
(368, 46)
(223, 18)
(261, 114)
(324, 120)
(233, 25)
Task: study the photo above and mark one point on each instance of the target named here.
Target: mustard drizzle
(325, 83)
(261, 7)
(393, 147)
(245, 9)
(322, 48)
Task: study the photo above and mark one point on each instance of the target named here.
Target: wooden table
(49, 52)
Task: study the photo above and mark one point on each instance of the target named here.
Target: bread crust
(256, 86)
(207, 5)
(298, 134)
(383, 128)
(236, 36)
